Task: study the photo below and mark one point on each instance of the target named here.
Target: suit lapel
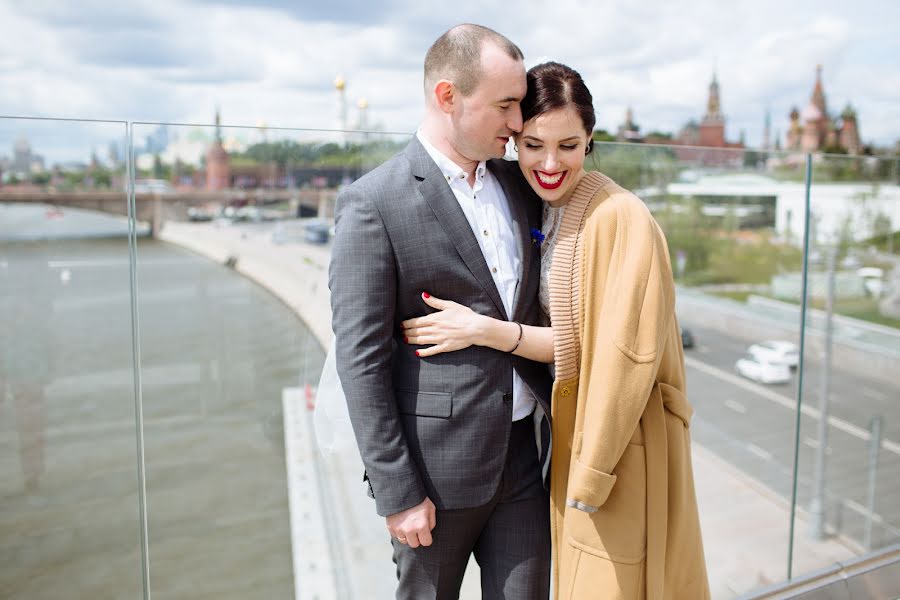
(436, 192)
(521, 229)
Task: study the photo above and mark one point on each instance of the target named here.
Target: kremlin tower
(218, 166)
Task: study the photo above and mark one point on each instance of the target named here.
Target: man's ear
(445, 96)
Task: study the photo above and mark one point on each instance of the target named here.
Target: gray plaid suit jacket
(437, 426)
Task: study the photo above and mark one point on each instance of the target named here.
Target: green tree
(602, 135)
(42, 178)
(883, 229)
(102, 178)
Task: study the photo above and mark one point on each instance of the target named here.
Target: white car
(776, 351)
(753, 368)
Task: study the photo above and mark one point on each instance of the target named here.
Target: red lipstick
(545, 184)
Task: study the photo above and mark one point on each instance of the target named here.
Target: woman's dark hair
(552, 86)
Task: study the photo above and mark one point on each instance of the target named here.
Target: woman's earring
(516, 147)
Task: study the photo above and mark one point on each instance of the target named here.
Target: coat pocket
(618, 530)
(595, 577)
(425, 404)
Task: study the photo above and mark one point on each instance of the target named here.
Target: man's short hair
(456, 56)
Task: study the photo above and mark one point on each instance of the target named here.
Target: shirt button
(494, 270)
(486, 232)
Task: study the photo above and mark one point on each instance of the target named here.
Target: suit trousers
(510, 537)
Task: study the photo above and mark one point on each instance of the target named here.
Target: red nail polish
(417, 353)
(426, 295)
(406, 340)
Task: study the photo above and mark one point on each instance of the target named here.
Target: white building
(834, 206)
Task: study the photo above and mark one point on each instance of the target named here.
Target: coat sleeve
(629, 301)
(362, 278)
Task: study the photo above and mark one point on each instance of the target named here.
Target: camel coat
(623, 509)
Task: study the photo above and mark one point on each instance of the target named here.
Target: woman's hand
(455, 327)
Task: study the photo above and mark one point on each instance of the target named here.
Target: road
(752, 426)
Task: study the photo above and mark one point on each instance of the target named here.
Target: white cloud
(175, 60)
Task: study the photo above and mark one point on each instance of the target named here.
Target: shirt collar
(450, 169)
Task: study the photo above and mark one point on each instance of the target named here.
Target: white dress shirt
(487, 210)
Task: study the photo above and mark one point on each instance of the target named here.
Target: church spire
(818, 95)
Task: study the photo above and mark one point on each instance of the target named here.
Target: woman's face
(552, 151)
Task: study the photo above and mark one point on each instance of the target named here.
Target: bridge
(156, 208)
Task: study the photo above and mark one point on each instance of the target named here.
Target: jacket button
(566, 391)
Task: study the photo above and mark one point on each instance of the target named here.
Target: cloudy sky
(275, 61)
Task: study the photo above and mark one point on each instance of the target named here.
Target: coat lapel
(436, 192)
(521, 229)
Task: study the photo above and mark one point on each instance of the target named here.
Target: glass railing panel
(849, 464)
(235, 322)
(69, 491)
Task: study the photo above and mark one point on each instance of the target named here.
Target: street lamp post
(340, 85)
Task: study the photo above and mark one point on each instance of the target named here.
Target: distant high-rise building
(113, 154)
(22, 157)
(157, 141)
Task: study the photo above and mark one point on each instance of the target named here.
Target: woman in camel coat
(623, 509)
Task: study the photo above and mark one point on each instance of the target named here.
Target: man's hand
(413, 526)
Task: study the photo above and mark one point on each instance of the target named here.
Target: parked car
(756, 369)
(316, 231)
(202, 213)
(777, 351)
(687, 338)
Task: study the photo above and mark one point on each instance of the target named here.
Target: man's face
(484, 121)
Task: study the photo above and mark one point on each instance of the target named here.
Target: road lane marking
(873, 394)
(788, 403)
(761, 453)
(736, 406)
(815, 444)
(114, 262)
(876, 518)
(862, 510)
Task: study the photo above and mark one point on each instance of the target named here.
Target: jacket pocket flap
(425, 404)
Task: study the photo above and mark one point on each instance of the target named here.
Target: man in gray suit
(453, 444)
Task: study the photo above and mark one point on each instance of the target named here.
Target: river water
(216, 352)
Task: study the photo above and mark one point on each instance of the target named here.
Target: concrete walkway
(745, 525)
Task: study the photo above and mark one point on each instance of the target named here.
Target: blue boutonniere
(537, 238)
